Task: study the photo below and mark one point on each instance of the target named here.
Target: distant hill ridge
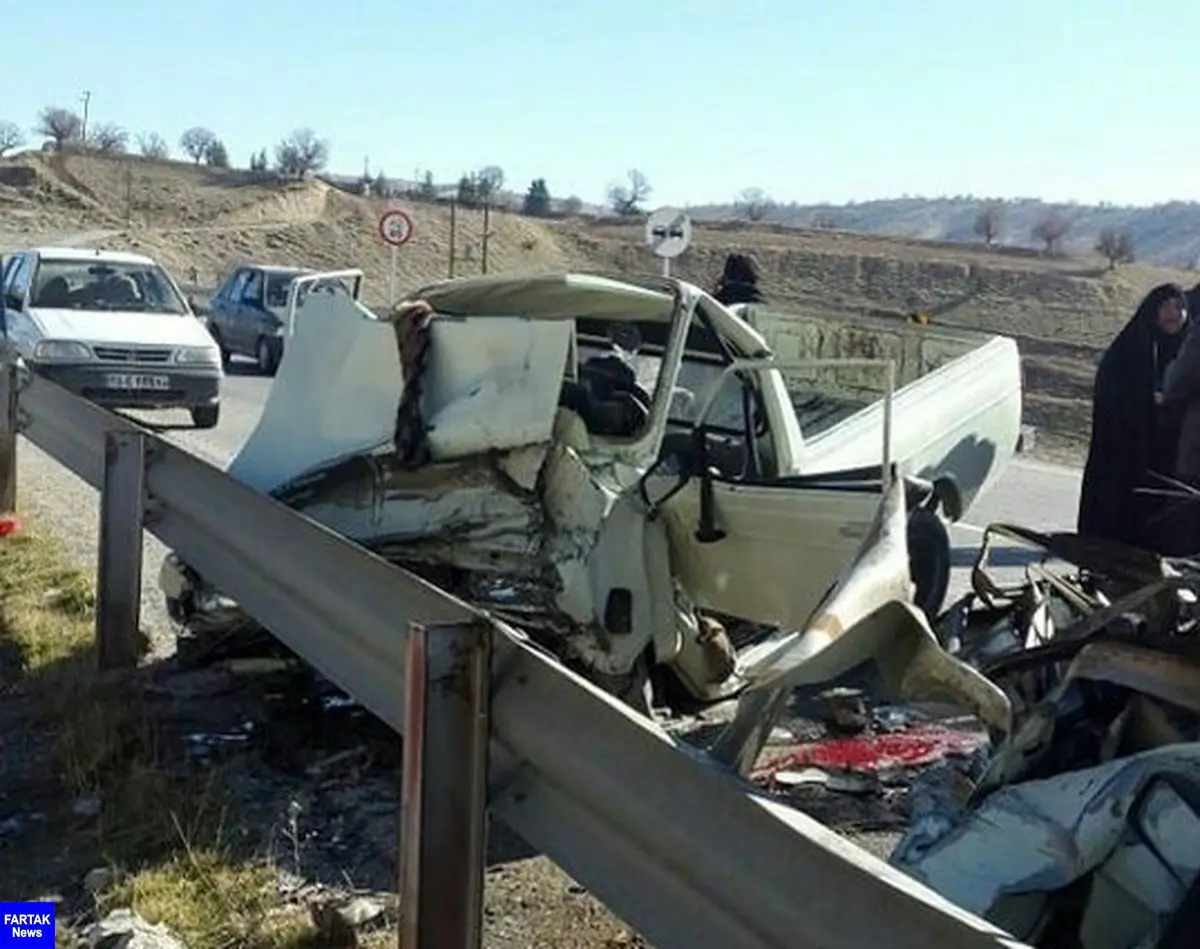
(1164, 234)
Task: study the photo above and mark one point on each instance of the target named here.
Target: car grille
(132, 354)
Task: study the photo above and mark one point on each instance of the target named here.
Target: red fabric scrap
(914, 748)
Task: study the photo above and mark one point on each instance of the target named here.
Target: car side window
(232, 291)
(252, 293)
(226, 290)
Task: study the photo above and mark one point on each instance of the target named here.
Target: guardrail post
(9, 390)
(444, 785)
(119, 570)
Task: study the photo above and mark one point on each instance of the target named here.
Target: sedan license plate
(129, 380)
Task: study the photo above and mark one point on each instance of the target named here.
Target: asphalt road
(1032, 494)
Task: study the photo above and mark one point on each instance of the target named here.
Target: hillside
(199, 221)
(1166, 234)
(207, 219)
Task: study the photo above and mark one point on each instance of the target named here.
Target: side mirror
(707, 531)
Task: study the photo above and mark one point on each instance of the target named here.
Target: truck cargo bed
(817, 412)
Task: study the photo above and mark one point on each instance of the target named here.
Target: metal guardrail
(685, 852)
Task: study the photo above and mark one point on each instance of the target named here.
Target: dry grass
(160, 829)
(45, 606)
(212, 902)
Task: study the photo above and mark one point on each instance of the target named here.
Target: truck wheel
(928, 559)
(206, 416)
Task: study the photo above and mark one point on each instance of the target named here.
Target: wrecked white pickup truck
(613, 464)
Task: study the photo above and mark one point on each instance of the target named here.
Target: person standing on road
(1181, 393)
(739, 282)
(1133, 431)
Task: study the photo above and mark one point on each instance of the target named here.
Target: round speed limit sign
(396, 227)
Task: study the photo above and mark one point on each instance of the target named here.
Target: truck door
(223, 310)
(251, 312)
(745, 541)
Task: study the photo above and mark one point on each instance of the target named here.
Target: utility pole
(487, 231)
(128, 194)
(87, 99)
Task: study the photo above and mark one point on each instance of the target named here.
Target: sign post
(396, 229)
(668, 234)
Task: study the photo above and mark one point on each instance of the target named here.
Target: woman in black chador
(1132, 433)
(739, 282)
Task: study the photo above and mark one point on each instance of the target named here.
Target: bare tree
(1050, 229)
(196, 142)
(301, 153)
(989, 223)
(11, 137)
(61, 126)
(153, 145)
(217, 156)
(572, 205)
(488, 182)
(626, 200)
(109, 139)
(1115, 246)
(754, 203)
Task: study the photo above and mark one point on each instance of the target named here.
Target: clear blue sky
(809, 99)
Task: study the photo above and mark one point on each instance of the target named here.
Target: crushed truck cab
(614, 465)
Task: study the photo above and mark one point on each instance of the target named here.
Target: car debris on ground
(1079, 826)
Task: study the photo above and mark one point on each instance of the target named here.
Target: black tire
(929, 559)
(267, 356)
(206, 416)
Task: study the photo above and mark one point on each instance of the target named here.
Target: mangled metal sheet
(1101, 858)
(490, 386)
(335, 394)
(866, 618)
(1082, 827)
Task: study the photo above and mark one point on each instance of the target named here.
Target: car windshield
(103, 286)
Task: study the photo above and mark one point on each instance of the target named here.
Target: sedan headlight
(61, 350)
(198, 355)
